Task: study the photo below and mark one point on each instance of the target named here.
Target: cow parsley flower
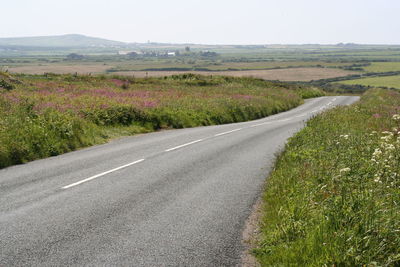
(377, 152)
(345, 170)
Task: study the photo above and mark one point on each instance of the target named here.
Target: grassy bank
(334, 196)
(51, 114)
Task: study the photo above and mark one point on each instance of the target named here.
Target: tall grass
(47, 115)
(334, 196)
(26, 135)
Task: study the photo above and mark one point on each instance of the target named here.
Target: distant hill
(68, 40)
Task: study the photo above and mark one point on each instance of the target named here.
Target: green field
(386, 81)
(225, 57)
(217, 65)
(333, 198)
(383, 67)
(117, 64)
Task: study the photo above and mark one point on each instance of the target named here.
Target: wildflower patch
(91, 109)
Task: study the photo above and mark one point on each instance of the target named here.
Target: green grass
(333, 198)
(47, 115)
(383, 67)
(386, 81)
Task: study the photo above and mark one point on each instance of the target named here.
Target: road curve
(170, 198)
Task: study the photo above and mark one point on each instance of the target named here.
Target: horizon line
(206, 44)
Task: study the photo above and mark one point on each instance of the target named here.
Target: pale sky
(208, 21)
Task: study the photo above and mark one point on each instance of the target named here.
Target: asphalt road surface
(170, 198)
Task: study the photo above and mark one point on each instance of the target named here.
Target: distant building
(171, 54)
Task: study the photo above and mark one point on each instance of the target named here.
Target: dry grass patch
(60, 69)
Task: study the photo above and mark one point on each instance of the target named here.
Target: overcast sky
(208, 21)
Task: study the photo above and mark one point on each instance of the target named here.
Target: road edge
(250, 234)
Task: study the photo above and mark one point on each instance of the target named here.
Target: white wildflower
(388, 133)
(386, 138)
(390, 147)
(377, 152)
(345, 170)
(396, 117)
(345, 136)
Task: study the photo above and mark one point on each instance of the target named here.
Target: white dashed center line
(187, 144)
(228, 132)
(260, 124)
(102, 174)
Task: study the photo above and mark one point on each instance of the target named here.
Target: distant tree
(74, 56)
(208, 54)
(187, 49)
(132, 54)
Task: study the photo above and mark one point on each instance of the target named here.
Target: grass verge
(333, 198)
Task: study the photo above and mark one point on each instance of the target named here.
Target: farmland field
(291, 74)
(161, 65)
(383, 67)
(219, 65)
(386, 81)
(271, 62)
(60, 69)
(254, 70)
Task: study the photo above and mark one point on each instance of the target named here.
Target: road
(170, 198)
